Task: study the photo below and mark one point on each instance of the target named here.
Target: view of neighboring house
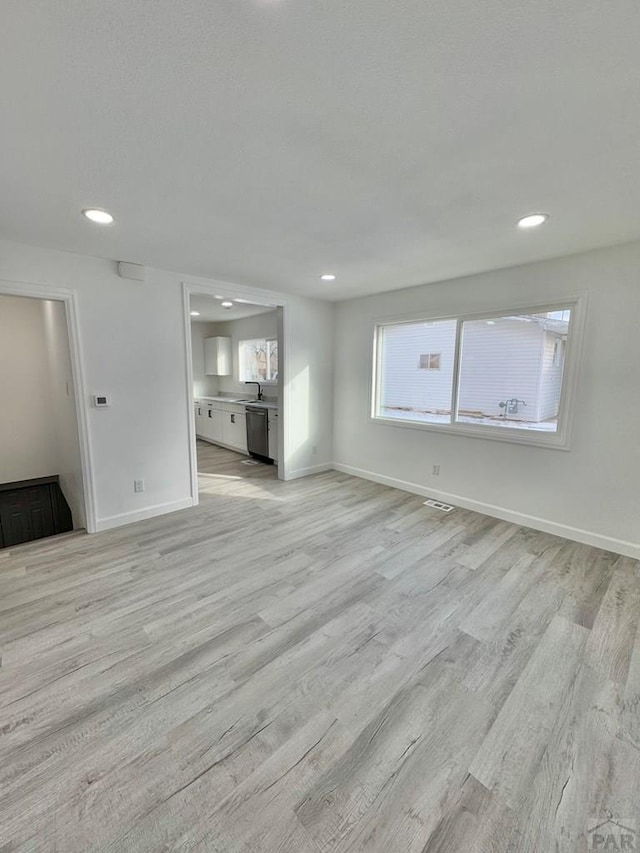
(510, 370)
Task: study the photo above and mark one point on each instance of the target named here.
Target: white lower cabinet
(234, 430)
(212, 424)
(222, 423)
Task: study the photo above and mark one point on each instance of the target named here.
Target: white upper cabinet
(217, 356)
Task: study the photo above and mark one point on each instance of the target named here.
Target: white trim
(284, 407)
(112, 521)
(559, 440)
(529, 437)
(576, 534)
(191, 420)
(70, 300)
(312, 469)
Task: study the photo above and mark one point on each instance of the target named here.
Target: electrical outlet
(436, 470)
(138, 485)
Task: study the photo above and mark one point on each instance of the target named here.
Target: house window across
(501, 375)
(258, 360)
(430, 361)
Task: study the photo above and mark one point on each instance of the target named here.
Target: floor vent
(250, 462)
(439, 505)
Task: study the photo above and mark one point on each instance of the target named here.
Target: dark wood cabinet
(32, 509)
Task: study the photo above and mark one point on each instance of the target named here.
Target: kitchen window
(258, 360)
(506, 375)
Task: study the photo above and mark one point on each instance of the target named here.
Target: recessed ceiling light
(533, 220)
(328, 277)
(227, 304)
(195, 313)
(100, 217)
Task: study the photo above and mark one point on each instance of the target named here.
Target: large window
(258, 360)
(501, 375)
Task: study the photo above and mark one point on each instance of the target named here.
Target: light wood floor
(216, 463)
(321, 665)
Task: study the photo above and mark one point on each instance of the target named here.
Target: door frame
(69, 298)
(261, 297)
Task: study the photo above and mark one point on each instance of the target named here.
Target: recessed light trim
(227, 304)
(532, 220)
(195, 313)
(328, 276)
(98, 216)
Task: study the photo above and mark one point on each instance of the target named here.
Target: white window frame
(558, 440)
(267, 341)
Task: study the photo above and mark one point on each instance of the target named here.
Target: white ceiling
(268, 141)
(210, 310)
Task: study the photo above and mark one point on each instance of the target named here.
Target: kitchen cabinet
(212, 424)
(221, 423)
(217, 356)
(234, 430)
(273, 436)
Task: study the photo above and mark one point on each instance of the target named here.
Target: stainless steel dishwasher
(258, 433)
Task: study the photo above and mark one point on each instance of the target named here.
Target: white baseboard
(313, 469)
(586, 537)
(141, 514)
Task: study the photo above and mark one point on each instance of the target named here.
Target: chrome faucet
(259, 388)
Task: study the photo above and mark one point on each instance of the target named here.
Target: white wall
(38, 429)
(203, 385)
(309, 338)
(590, 492)
(27, 443)
(133, 348)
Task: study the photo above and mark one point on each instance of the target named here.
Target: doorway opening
(237, 378)
(42, 489)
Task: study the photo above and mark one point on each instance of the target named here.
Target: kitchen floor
(218, 466)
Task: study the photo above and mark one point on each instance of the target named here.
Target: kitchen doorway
(235, 381)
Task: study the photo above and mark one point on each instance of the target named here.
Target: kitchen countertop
(240, 401)
(262, 404)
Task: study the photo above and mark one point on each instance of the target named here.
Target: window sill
(553, 441)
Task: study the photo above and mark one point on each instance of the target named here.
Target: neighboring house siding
(500, 361)
(404, 384)
(551, 377)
